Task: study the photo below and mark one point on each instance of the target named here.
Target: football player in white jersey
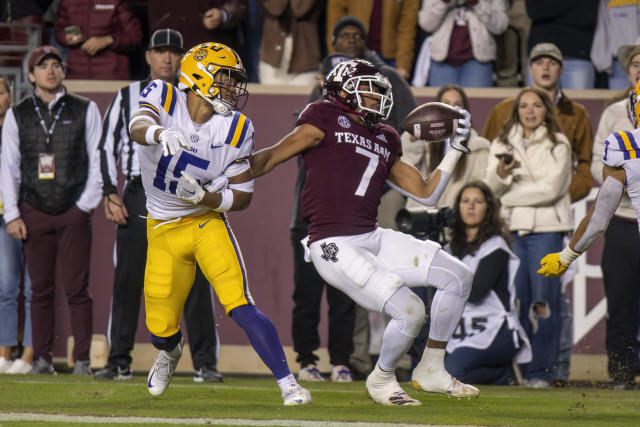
(621, 158)
(194, 164)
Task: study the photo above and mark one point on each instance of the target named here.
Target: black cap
(166, 37)
(332, 60)
(344, 22)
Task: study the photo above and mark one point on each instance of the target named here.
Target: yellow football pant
(174, 247)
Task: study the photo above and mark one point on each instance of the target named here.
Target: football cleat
(341, 374)
(310, 373)
(439, 381)
(19, 366)
(162, 370)
(299, 396)
(388, 392)
(113, 372)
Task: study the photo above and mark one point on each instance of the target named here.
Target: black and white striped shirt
(115, 140)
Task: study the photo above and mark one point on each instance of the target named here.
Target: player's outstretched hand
(172, 140)
(459, 140)
(551, 266)
(188, 189)
(220, 183)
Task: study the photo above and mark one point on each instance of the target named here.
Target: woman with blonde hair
(529, 169)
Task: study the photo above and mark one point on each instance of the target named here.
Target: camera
(425, 223)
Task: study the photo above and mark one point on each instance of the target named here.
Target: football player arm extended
(302, 138)
(406, 179)
(144, 130)
(592, 225)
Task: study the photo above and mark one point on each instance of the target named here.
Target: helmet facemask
(371, 87)
(227, 83)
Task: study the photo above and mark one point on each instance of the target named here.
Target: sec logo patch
(344, 122)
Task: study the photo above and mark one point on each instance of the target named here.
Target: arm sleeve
(157, 98)
(127, 32)
(498, 185)
(241, 163)
(406, 33)
(62, 21)
(549, 185)
(487, 274)
(432, 14)
(110, 144)
(493, 14)
(582, 182)
(10, 175)
(92, 194)
(335, 10)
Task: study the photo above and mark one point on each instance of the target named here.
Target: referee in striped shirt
(163, 56)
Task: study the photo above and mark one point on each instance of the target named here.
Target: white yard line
(86, 419)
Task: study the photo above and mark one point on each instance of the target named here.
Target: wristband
(226, 202)
(568, 255)
(450, 160)
(149, 136)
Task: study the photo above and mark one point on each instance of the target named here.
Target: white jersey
(222, 145)
(622, 149)
(481, 322)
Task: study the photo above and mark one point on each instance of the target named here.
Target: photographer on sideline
(489, 334)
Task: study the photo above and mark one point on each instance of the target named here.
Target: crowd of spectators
(473, 43)
(536, 155)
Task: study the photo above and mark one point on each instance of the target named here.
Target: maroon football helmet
(348, 81)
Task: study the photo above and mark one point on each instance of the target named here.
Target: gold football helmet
(215, 72)
(634, 105)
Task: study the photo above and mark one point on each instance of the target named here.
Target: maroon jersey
(346, 172)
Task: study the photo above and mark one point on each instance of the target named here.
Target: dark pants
(621, 274)
(307, 297)
(57, 251)
(131, 250)
(491, 365)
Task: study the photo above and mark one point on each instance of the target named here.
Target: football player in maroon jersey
(348, 156)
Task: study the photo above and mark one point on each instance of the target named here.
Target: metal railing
(18, 75)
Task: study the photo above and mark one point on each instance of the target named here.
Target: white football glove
(217, 184)
(172, 140)
(459, 141)
(188, 189)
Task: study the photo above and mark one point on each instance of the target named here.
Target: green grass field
(32, 400)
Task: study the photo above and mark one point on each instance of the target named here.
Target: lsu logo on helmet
(216, 73)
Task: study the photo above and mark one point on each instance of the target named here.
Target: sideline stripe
(91, 419)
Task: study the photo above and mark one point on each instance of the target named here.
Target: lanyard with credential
(56, 117)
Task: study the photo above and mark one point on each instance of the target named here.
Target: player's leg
(453, 282)
(423, 263)
(307, 296)
(201, 328)
(168, 278)
(219, 256)
(347, 264)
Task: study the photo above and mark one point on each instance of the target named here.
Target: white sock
(433, 359)
(382, 377)
(287, 384)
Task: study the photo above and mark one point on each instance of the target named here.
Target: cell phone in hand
(508, 158)
(73, 29)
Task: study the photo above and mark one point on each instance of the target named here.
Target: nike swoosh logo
(190, 192)
(150, 378)
(216, 146)
(205, 223)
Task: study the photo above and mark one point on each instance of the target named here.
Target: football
(433, 121)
